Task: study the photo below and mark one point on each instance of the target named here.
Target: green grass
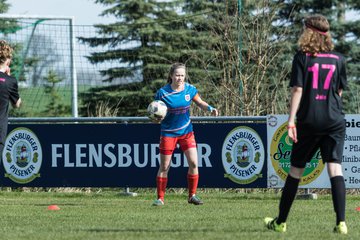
(109, 215)
(35, 100)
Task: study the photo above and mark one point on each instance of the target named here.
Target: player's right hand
(156, 119)
(292, 133)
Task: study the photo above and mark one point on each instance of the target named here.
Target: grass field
(106, 214)
(35, 100)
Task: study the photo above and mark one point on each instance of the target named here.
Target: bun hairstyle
(5, 51)
(172, 70)
(316, 35)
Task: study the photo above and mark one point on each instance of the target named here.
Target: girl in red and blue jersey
(176, 128)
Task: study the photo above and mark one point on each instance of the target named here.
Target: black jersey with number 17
(321, 77)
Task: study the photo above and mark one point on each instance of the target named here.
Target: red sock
(192, 183)
(161, 187)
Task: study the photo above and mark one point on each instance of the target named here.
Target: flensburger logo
(243, 155)
(22, 156)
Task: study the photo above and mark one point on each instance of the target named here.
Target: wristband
(210, 108)
(291, 126)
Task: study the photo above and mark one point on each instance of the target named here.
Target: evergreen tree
(211, 24)
(146, 27)
(55, 107)
(245, 51)
(345, 35)
(4, 6)
(165, 32)
(239, 56)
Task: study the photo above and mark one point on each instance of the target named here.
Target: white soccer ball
(157, 110)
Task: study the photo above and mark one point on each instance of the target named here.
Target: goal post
(44, 44)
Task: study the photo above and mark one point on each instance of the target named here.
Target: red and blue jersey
(177, 121)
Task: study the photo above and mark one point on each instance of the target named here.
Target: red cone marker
(53, 207)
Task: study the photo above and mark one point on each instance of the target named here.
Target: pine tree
(240, 59)
(166, 32)
(55, 107)
(345, 35)
(146, 28)
(4, 6)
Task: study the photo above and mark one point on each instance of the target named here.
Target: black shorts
(331, 147)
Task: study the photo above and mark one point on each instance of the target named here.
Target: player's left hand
(215, 112)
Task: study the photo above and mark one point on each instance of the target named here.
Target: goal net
(50, 63)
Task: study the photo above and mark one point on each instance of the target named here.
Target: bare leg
(192, 158)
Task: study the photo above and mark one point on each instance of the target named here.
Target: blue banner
(231, 155)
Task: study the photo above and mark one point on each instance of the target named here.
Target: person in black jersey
(8, 90)
(318, 78)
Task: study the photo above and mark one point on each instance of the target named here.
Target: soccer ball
(157, 110)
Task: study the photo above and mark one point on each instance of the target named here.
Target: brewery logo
(272, 121)
(280, 153)
(22, 156)
(243, 155)
(273, 181)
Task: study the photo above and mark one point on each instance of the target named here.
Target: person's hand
(214, 112)
(156, 119)
(292, 133)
